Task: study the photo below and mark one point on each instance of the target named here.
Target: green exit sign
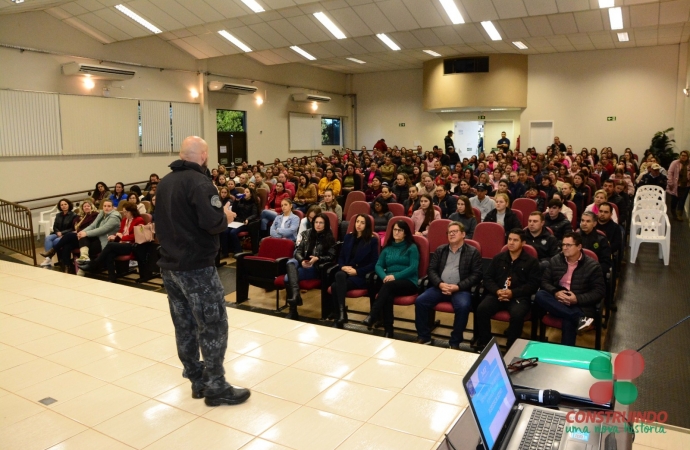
(481, 117)
(611, 118)
(401, 124)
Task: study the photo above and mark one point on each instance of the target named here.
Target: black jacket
(599, 244)
(545, 244)
(64, 222)
(587, 282)
(323, 247)
(406, 205)
(448, 205)
(560, 225)
(523, 272)
(188, 218)
(517, 189)
(621, 203)
(470, 266)
(401, 193)
(510, 221)
(365, 257)
(613, 233)
(246, 210)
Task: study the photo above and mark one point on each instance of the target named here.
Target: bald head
(194, 149)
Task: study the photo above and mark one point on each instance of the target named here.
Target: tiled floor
(107, 354)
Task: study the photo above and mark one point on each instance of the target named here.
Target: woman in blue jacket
(358, 257)
(285, 226)
(119, 194)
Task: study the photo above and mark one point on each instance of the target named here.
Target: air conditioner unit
(309, 98)
(231, 88)
(99, 72)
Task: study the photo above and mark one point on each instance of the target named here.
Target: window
(330, 131)
(466, 65)
(227, 120)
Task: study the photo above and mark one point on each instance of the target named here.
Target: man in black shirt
(189, 217)
(594, 241)
(620, 201)
(448, 140)
(539, 237)
(503, 143)
(558, 145)
(611, 228)
(556, 220)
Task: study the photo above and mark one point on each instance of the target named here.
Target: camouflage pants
(197, 307)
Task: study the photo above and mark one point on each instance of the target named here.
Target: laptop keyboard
(543, 429)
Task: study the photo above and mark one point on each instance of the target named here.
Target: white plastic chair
(46, 224)
(654, 227)
(650, 188)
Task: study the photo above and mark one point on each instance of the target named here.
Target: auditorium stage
(106, 354)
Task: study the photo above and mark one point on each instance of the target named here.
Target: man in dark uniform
(448, 140)
(189, 217)
(539, 237)
(503, 143)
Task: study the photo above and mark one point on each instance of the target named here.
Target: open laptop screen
(490, 393)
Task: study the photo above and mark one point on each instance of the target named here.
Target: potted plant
(662, 148)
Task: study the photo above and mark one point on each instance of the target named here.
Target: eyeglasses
(522, 364)
(453, 231)
(568, 245)
(395, 230)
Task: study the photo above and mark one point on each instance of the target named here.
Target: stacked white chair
(650, 222)
(47, 224)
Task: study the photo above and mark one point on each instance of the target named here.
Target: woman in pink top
(424, 215)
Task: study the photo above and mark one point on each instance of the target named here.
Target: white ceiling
(545, 26)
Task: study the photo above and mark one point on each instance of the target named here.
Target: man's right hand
(229, 213)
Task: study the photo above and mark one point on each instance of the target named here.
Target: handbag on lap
(144, 233)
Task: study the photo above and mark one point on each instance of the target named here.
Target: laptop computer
(506, 424)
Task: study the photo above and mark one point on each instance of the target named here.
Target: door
(232, 147)
(540, 135)
(466, 137)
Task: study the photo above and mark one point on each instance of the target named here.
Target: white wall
(579, 90)
(385, 99)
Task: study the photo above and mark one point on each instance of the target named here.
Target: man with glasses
(556, 220)
(571, 287)
(509, 282)
(453, 270)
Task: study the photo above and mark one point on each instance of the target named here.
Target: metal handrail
(17, 229)
(86, 191)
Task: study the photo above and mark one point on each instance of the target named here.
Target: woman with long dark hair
(381, 214)
(247, 210)
(119, 194)
(358, 256)
(100, 193)
(397, 274)
(63, 223)
(465, 215)
(423, 217)
(86, 214)
(316, 248)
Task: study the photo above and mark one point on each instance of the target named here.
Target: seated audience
(381, 215)
(401, 188)
(246, 210)
(351, 180)
(100, 193)
(274, 204)
(517, 188)
(133, 198)
(595, 241)
(556, 220)
(397, 274)
(482, 202)
(621, 201)
(358, 256)
(411, 204)
(455, 268)
(424, 216)
(445, 201)
(386, 195)
(329, 203)
(464, 214)
(316, 248)
(308, 221)
(613, 231)
(119, 194)
(149, 195)
(329, 181)
(465, 189)
(654, 178)
(509, 283)
(68, 242)
(63, 223)
(286, 224)
(533, 193)
(600, 197)
(503, 215)
(374, 189)
(154, 179)
(567, 212)
(428, 186)
(305, 195)
(119, 244)
(571, 287)
(94, 238)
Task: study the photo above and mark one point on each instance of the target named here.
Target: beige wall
(385, 99)
(578, 90)
(504, 86)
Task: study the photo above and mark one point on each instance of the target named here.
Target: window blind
(186, 121)
(29, 124)
(155, 127)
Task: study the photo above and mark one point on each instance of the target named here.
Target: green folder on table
(562, 355)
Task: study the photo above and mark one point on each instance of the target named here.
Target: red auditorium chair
(357, 207)
(525, 205)
(397, 209)
(477, 215)
(262, 269)
(353, 196)
(438, 234)
(491, 236)
(333, 221)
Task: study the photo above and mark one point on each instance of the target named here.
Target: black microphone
(546, 397)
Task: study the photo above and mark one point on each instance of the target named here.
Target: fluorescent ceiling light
(491, 30)
(386, 40)
(452, 11)
(606, 3)
(254, 6)
(138, 19)
(330, 26)
(235, 41)
(303, 53)
(432, 53)
(499, 109)
(520, 45)
(616, 18)
(358, 61)
(623, 37)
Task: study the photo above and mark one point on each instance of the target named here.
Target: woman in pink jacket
(424, 215)
(679, 183)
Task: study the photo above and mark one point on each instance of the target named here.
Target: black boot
(292, 313)
(341, 319)
(49, 254)
(232, 395)
(294, 297)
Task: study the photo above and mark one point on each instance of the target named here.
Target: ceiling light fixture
(314, 106)
(623, 37)
(17, 1)
(491, 30)
(606, 3)
(520, 45)
(303, 53)
(499, 109)
(254, 6)
(452, 11)
(616, 18)
(388, 41)
(259, 101)
(330, 26)
(88, 83)
(138, 19)
(432, 53)
(235, 41)
(358, 61)
(194, 93)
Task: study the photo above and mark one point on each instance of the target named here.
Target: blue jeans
(50, 241)
(267, 216)
(425, 303)
(570, 315)
(304, 273)
(230, 241)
